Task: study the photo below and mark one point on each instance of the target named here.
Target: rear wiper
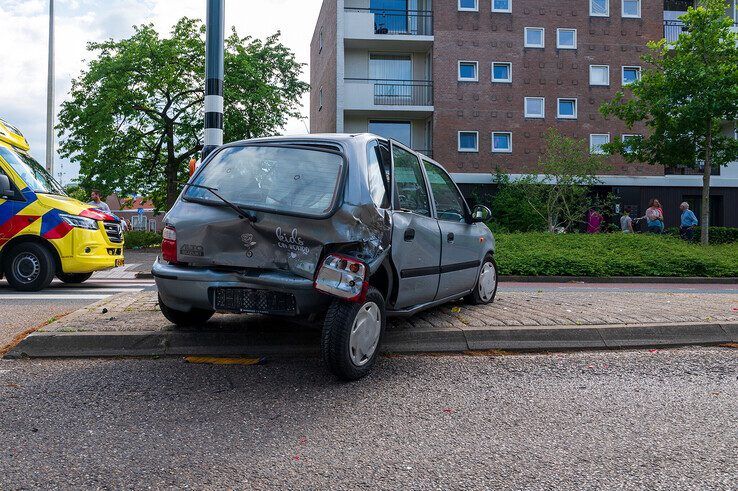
(242, 214)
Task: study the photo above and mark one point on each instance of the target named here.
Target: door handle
(409, 235)
(451, 237)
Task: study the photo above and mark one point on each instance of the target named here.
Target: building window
(502, 142)
(534, 37)
(567, 109)
(596, 142)
(631, 74)
(320, 99)
(468, 71)
(469, 5)
(320, 41)
(599, 8)
(599, 74)
(631, 8)
(468, 141)
(501, 72)
(535, 107)
(502, 6)
(628, 141)
(566, 38)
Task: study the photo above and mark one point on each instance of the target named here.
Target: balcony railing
(400, 22)
(403, 93)
(673, 28)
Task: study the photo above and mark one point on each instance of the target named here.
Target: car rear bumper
(184, 288)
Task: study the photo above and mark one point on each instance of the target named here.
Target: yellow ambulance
(43, 232)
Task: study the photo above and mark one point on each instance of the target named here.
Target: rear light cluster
(169, 245)
(343, 277)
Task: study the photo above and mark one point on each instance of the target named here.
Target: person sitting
(688, 222)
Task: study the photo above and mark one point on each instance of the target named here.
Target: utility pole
(214, 41)
(50, 96)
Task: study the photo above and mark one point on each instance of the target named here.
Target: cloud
(25, 24)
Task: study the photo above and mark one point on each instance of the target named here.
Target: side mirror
(5, 190)
(481, 214)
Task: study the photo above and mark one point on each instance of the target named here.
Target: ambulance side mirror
(5, 189)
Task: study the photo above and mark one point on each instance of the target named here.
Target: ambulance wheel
(73, 278)
(193, 318)
(351, 336)
(29, 267)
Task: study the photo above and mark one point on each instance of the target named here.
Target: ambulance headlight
(79, 222)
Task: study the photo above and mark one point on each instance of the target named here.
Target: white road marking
(93, 290)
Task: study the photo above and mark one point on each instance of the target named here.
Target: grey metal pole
(50, 96)
(214, 41)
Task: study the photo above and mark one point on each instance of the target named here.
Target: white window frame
(558, 108)
(591, 144)
(507, 150)
(606, 14)
(509, 73)
(534, 116)
(625, 136)
(504, 11)
(622, 74)
(458, 142)
(543, 37)
(607, 83)
(476, 71)
(465, 9)
(637, 16)
(558, 33)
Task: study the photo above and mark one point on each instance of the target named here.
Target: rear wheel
(193, 318)
(74, 278)
(486, 288)
(29, 267)
(352, 334)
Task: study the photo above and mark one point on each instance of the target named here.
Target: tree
(562, 194)
(135, 115)
(688, 90)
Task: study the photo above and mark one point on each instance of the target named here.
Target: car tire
(73, 278)
(29, 267)
(485, 289)
(193, 318)
(352, 335)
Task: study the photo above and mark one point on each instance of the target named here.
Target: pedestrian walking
(97, 201)
(626, 222)
(688, 222)
(655, 217)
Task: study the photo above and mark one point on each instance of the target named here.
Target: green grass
(540, 254)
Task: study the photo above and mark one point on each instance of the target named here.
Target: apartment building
(476, 83)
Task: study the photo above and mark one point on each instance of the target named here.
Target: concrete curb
(306, 342)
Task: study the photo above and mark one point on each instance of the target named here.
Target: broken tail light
(343, 277)
(169, 245)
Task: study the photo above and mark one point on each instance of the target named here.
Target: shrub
(718, 235)
(541, 254)
(139, 240)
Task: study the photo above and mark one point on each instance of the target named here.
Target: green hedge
(540, 254)
(718, 235)
(139, 240)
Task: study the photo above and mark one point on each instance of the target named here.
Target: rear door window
(412, 195)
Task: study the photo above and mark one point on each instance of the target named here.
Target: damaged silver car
(346, 228)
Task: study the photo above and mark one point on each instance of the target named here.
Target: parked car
(347, 228)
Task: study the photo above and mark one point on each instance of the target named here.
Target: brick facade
(323, 65)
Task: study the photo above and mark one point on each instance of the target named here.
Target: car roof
(347, 138)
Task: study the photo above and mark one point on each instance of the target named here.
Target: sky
(24, 37)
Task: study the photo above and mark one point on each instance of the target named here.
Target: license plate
(119, 262)
(253, 301)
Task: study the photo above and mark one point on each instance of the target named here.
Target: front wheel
(486, 288)
(29, 267)
(193, 318)
(352, 334)
(74, 278)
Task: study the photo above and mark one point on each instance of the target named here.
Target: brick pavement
(139, 312)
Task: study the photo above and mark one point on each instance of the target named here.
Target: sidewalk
(131, 324)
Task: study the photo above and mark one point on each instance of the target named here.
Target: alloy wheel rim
(27, 267)
(365, 333)
(487, 281)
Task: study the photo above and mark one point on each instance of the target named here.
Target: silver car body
(416, 259)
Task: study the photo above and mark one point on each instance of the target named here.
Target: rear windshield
(286, 180)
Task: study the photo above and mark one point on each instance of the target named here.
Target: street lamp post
(214, 40)
(50, 96)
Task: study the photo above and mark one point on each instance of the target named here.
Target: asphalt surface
(598, 420)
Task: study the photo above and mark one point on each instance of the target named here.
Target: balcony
(389, 95)
(673, 28)
(384, 27)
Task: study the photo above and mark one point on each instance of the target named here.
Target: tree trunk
(705, 219)
(172, 169)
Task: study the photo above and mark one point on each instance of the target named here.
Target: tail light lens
(169, 245)
(343, 277)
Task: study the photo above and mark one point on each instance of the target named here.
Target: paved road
(605, 420)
